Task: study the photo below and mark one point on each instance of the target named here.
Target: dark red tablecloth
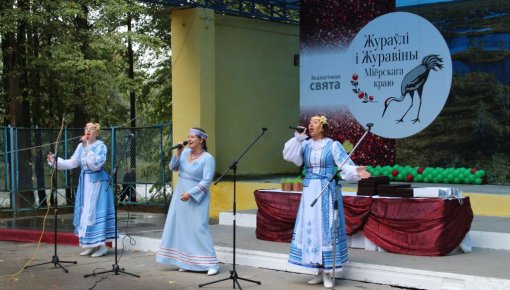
(413, 226)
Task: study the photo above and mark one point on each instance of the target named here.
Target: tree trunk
(4, 7)
(25, 183)
(80, 116)
(132, 99)
(35, 81)
(83, 37)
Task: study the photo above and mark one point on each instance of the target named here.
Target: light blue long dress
(94, 211)
(186, 241)
(312, 241)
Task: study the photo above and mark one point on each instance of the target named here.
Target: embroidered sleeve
(293, 149)
(348, 169)
(73, 162)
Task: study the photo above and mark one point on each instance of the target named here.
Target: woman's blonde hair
(95, 125)
(324, 123)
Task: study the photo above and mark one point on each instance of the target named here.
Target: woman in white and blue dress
(186, 241)
(94, 211)
(312, 241)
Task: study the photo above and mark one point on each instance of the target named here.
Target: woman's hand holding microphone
(84, 140)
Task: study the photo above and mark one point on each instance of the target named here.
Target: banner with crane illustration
(432, 77)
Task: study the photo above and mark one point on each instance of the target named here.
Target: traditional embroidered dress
(94, 212)
(186, 241)
(312, 240)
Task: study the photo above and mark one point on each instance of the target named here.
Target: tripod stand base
(234, 277)
(115, 269)
(55, 261)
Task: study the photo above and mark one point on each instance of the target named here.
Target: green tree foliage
(76, 65)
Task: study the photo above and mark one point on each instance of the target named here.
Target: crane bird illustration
(414, 82)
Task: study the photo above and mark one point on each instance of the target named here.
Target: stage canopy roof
(286, 11)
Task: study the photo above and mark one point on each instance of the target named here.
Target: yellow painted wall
(222, 196)
(257, 85)
(193, 73)
(489, 204)
(233, 76)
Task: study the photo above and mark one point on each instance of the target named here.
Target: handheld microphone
(299, 129)
(180, 145)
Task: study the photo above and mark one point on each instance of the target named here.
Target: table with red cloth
(413, 226)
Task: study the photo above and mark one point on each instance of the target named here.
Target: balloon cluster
(430, 174)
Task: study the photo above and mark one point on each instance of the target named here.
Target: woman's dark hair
(204, 144)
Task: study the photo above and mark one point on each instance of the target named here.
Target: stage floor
(485, 266)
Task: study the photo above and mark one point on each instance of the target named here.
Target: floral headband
(322, 119)
(197, 133)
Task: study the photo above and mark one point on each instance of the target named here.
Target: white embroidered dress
(312, 241)
(94, 212)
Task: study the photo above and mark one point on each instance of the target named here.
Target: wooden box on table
(369, 185)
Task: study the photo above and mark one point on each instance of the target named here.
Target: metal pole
(12, 164)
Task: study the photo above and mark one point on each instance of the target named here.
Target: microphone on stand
(299, 129)
(180, 145)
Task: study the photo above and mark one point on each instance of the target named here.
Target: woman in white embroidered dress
(312, 240)
(94, 212)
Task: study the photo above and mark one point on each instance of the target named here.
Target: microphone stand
(335, 201)
(55, 260)
(233, 272)
(115, 267)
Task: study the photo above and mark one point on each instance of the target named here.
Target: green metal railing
(143, 177)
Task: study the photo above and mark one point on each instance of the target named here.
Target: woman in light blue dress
(186, 241)
(94, 211)
(312, 241)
